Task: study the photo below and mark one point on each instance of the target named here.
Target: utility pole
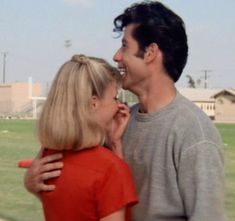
(206, 71)
(4, 66)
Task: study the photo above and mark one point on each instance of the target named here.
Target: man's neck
(157, 97)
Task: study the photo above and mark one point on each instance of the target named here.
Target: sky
(33, 34)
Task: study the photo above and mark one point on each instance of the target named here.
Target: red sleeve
(116, 190)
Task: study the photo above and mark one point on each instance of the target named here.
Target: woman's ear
(94, 103)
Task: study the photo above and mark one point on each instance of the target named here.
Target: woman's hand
(117, 128)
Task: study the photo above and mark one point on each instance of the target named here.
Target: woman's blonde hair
(66, 120)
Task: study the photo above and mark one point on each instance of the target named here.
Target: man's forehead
(127, 33)
(128, 30)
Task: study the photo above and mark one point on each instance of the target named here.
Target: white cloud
(84, 3)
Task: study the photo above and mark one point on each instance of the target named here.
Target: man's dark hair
(155, 23)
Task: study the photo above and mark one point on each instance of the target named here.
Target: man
(171, 146)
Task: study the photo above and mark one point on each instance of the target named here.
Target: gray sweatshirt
(176, 158)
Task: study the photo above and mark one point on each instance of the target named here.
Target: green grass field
(17, 141)
(227, 132)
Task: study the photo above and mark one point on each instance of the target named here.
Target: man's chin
(125, 86)
(126, 82)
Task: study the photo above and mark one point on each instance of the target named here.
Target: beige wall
(207, 107)
(5, 99)
(14, 98)
(225, 108)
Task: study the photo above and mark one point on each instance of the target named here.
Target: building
(127, 97)
(16, 98)
(225, 105)
(203, 98)
(23, 100)
(218, 104)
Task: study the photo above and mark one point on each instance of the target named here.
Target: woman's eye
(116, 98)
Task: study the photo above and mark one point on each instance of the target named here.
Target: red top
(93, 184)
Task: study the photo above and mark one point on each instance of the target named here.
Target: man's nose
(117, 56)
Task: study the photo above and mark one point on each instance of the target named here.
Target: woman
(80, 110)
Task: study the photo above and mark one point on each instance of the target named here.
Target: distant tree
(191, 81)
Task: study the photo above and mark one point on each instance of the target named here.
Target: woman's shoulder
(106, 155)
(96, 158)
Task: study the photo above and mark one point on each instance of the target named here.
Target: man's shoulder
(189, 111)
(191, 122)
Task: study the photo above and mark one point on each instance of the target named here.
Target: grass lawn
(227, 132)
(17, 141)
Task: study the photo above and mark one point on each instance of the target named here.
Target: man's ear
(151, 52)
(94, 103)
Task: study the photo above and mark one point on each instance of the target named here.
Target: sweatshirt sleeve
(201, 182)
